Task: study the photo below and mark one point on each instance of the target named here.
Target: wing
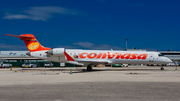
(87, 62)
(93, 62)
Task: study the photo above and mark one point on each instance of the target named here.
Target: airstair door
(151, 58)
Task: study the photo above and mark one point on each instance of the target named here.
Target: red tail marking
(31, 42)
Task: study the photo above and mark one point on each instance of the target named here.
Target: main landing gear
(89, 68)
(162, 68)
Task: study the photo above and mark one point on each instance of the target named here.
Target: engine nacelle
(56, 52)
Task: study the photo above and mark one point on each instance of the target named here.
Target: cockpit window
(160, 55)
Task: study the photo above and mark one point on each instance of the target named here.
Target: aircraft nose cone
(170, 60)
(167, 60)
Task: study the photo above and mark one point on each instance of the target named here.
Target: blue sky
(92, 24)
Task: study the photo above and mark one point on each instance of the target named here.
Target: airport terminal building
(173, 55)
(17, 58)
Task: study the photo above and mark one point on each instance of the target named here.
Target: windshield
(160, 54)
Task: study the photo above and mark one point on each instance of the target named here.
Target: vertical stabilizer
(31, 42)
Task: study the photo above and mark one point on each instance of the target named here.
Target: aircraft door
(151, 58)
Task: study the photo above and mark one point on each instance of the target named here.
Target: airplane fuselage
(104, 57)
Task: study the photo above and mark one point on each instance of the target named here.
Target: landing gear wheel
(162, 68)
(89, 68)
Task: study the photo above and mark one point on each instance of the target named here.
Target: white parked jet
(90, 57)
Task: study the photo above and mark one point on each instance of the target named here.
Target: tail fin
(31, 42)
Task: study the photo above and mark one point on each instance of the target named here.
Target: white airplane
(1, 61)
(90, 57)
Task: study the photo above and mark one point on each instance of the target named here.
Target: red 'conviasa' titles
(114, 55)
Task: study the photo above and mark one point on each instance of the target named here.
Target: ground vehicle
(48, 64)
(124, 65)
(172, 64)
(6, 65)
(29, 65)
(116, 65)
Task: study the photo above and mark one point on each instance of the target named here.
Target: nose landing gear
(162, 68)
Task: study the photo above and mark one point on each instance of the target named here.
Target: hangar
(17, 58)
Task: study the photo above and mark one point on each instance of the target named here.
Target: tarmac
(133, 83)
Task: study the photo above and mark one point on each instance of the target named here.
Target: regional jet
(90, 57)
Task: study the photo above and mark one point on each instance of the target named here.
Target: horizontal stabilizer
(19, 36)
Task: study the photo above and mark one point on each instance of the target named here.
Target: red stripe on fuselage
(69, 58)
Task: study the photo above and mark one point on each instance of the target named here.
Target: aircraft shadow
(93, 70)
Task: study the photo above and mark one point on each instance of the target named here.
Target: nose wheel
(162, 68)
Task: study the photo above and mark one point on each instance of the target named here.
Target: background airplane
(90, 57)
(1, 61)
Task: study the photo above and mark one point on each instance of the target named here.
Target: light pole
(126, 44)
